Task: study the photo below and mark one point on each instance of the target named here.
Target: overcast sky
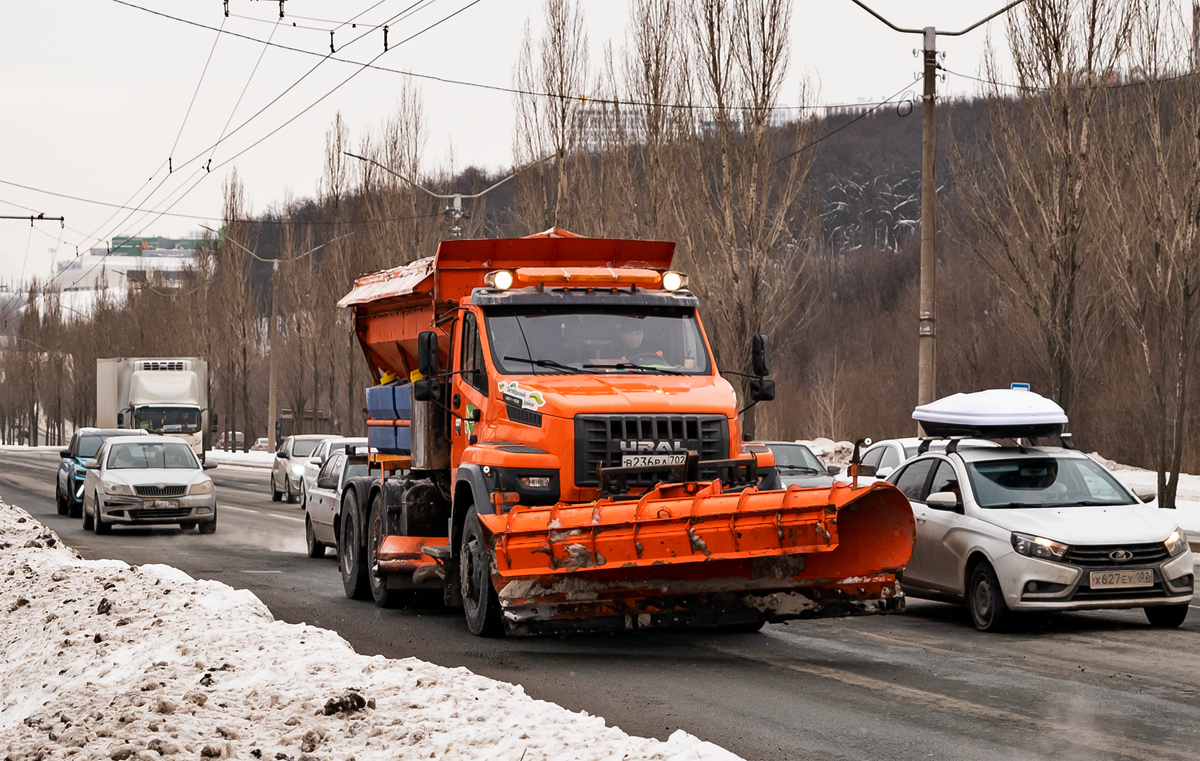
(97, 95)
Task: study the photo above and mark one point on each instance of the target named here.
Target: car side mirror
(833, 470)
(427, 354)
(760, 352)
(209, 465)
(92, 465)
(943, 500)
(64, 453)
(281, 455)
(1145, 493)
(885, 471)
(316, 460)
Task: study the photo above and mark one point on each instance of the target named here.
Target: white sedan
(138, 480)
(313, 464)
(1038, 529)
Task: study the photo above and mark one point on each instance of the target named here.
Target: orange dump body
(693, 552)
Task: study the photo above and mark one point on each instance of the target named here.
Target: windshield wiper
(1018, 505)
(545, 363)
(794, 468)
(634, 366)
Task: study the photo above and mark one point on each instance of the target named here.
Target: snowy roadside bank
(101, 660)
(243, 459)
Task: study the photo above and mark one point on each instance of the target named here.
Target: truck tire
(985, 600)
(350, 555)
(1166, 616)
(481, 606)
(315, 549)
(384, 597)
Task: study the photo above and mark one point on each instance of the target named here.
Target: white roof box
(997, 413)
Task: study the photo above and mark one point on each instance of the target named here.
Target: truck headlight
(1038, 547)
(204, 487)
(1177, 542)
(112, 487)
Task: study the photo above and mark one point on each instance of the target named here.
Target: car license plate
(646, 460)
(1131, 579)
(166, 503)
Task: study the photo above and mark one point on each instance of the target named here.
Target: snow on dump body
(101, 660)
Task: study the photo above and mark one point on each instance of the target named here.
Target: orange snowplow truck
(558, 452)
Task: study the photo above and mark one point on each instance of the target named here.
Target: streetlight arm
(979, 23)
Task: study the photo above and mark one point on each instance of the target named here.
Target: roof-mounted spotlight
(673, 281)
(501, 280)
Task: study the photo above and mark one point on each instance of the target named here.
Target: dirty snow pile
(102, 660)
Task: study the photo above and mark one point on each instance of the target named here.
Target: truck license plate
(1131, 579)
(166, 503)
(645, 460)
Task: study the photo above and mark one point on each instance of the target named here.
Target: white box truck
(167, 396)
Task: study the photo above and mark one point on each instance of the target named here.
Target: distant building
(129, 259)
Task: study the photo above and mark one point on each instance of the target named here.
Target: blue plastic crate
(390, 439)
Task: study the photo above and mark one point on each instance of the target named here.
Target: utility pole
(927, 310)
(271, 394)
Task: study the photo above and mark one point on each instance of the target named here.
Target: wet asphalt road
(921, 685)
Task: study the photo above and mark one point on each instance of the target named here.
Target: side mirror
(92, 465)
(120, 419)
(281, 455)
(760, 351)
(762, 390)
(64, 453)
(427, 354)
(943, 500)
(833, 470)
(1145, 493)
(476, 415)
(421, 391)
(316, 460)
(209, 465)
(885, 471)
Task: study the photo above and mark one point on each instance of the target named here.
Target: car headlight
(297, 469)
(1177, 542)
(204, 487)
(80, 471)
(112, 487)
(1038, 547)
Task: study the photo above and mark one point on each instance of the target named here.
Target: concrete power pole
(927, 310)
(271, 327)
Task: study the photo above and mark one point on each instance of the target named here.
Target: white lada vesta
(1033, 528)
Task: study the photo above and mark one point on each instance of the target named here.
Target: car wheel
(1167, 616)
(276, 495)
(481, 606)
(303, 496)
(211, 526)
(985, 599)
(384, 597)
(87, 518)
(98, 525)
(74, 509)
(60, 502)
(287, 485)
(350, 554)
(315, 549)
(187, 525)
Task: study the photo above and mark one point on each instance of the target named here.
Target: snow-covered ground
(102, 660)
(244, 459)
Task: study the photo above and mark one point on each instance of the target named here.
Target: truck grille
(598, 441)
(160, 491)
(1100, 555)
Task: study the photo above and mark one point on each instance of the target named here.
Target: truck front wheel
(350, 554)
(481, 606)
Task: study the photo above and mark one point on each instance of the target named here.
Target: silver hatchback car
(139, 480)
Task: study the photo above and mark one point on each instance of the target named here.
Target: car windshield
(1044, 482)
(305, 447)
(556, 340)
(795, 457)
(152, 454)
(167, 419)
(89, 445)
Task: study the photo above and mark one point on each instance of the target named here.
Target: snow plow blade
(691, 554)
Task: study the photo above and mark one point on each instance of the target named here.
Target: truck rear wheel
(384, 597)
(350, 555)
(481, 606)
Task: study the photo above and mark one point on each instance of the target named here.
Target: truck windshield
(167, 419)
(556, 340)
(1044, 482)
